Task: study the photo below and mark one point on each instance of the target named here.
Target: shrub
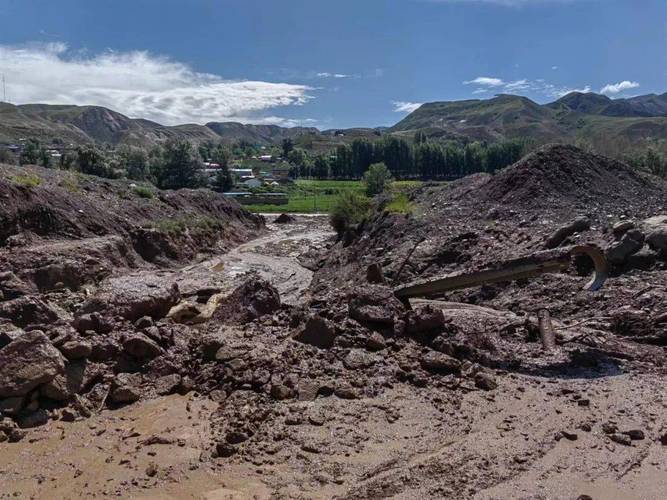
(144, 192)
(377, 178)
(28, 180)
(348, 209)
(400, 204)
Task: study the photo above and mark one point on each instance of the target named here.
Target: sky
(328, 64)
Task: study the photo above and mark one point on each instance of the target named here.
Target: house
(281, 172)
(266, 158)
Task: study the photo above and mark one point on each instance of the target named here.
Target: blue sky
(330, 64)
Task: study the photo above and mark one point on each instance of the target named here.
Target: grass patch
(313, 196)
(144, 192)
(400, 204)
(29, 181)
(71, 184)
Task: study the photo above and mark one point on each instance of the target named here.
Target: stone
(34, 419)
(140, 346)
(280, 392)
(104, 349)
(485, 381)
(439, 362)
(374, 304)
(184, 312)
(619, 438)
(78, 376)
(622, 227)
(569, 435)
(284, 219)
(69, 415)
(92, 322)
(211, 343)
(663, 439)
(224, 450)
(251, 300)
(12, 406)
(358, 359)
(346, 392)
(635, 434)
(144, 322)
(318, 332)
(308, 390)
(561, 234)
(28, 362)
(76, 349)
(631, 243)
(126, 388)
(8, 333)
(11, 287)
(375, 342)
(151, 469)
(168, 384)
(25, 311)
(236, 437)
(425, 319)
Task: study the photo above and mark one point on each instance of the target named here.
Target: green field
(311, 196)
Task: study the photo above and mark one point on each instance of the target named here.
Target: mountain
(610, 126)
(88, 124)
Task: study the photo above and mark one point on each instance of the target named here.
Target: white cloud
(486, 80)
(554, 68)
(616, 88)
(406, 107)
(333, 75)
(486, 84)
(140, 85)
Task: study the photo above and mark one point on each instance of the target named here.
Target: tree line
(420, 159)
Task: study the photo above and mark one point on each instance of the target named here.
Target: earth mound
(559, 175)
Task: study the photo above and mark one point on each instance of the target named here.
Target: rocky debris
(318, 331)
(94, 322)
(28, 362)
(76, 349)
(425, 319)
(439, 362)
(620, 228)
(251, 300)
(133, 297)
(284, 219)
(562, 233)
(631, 243)
(485, 381)
(11, 287)
(126, 388)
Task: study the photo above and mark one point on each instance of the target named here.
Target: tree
(178, 166)
(223, 182)
(92, 161)
(135, 163)
(44, 158)
(349, 208)
(29, 153)
(288, 147)
(377, 179)
(6, 156)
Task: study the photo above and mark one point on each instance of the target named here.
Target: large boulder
(251, 300)
(11, 287)
(78, 376)
(631, 243)
(656, 232)
(126, 388)
(140, 346)
(28, 362)
(562, 233)
(318, 331)
(375, 304)
(134, 296)
(27, 310)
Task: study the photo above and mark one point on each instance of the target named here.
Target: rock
(211, 343)
(619, 438)
(375, 275)
(76, 349)
(8, 333)
(11, 406)
(151, 469)
(10, 429)
(11, 287)
(69, 415)
(184, 312)
(140, 346)
(569, 435)
(375, 342)
(186, 385)
(622, 227)
(609, 428)
(485, 381)
(236, 437)
(126, 388)
(224, 449)
(375, 304)
(560, 235)
(92, 322)
(346, 392)
(635, 434)
(25, 311)
(284, 219)
(317, 419)
(357, 359)
(308, 390)
(104, 349)
(280, 392)
(319, 332)
(168, 384)
(251, 300)
(425, 319)
(78, 376)
(631, 243)
(663, 439)
(28, 362)
(144, 322)
(134, 296)
(439, 362)
(34, 419)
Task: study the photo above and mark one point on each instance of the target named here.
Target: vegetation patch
(27, 180)
(350, 208)
(400, 204)
(144, 192)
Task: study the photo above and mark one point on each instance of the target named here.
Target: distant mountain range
(608, 125)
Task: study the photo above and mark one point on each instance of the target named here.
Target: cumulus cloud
(406, 107)
(616, 88)
(486, 84)
(141, 85)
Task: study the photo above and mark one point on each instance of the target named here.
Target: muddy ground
(274, 369)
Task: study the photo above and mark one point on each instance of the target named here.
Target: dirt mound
(559, 175)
